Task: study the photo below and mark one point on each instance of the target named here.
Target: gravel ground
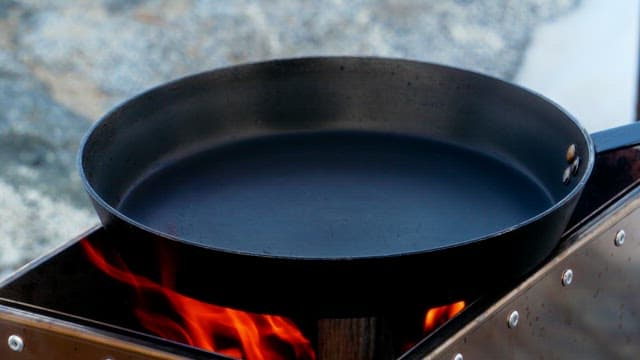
(64, 64)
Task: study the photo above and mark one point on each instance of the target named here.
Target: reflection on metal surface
(50, 338)
(597, 317)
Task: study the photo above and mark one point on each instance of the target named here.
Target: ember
(439, 315)
(215, 328)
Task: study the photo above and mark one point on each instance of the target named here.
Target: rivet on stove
(15, 343)
(513, 319)
(458, 356)
(567, 277)
(620, 236)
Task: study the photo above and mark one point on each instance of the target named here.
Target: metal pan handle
(617, 137)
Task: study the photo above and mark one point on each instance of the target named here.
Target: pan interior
(335, 195)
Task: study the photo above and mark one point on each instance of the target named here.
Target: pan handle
(617, 137)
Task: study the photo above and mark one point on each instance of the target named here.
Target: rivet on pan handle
(574, 164)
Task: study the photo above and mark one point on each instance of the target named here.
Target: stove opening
(163, 311)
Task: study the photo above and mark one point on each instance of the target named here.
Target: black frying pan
(338, 185)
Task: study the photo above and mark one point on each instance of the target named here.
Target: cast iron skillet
(338, 186)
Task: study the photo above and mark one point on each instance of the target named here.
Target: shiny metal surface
(597, 317)
(32, 336)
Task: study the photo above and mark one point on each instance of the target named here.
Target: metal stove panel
(30, 336)
(582, 304)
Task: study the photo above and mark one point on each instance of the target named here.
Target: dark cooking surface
(334, 195)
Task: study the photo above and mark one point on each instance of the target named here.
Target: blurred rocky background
(63, 64)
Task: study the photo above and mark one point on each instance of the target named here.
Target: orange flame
(439, 315)
(219, 329)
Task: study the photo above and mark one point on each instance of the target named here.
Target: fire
(439, 315)
(219, 329)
